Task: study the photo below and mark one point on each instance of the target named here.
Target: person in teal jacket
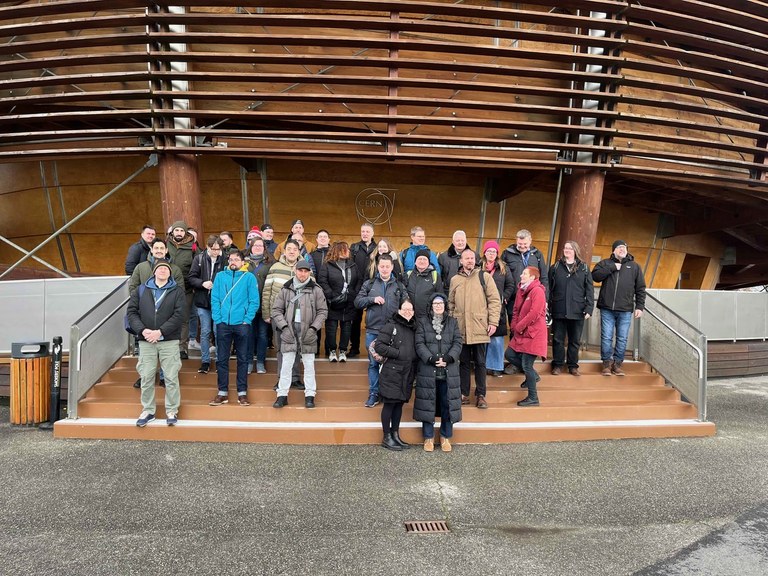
(234, 303)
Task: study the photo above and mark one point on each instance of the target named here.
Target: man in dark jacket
(156, 313)
(519, 256)
(361, 256)
(181, 251)
(621, 292)
(450, 259)
(422, 282)
(138, 252)
(204, 268)
(381, 298)
(268, 233)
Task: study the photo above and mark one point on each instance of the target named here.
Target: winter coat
(408, 257)
(270, 246)
(428, 349)
(396, 341)
(377, 315)
(514, 261)
(622, 290)
(421, 286)
(450, 262)
(143, 272)
(182, 253)
(505, 284)
(279, 273)
(167, 318)
(314, 311)
(331, 280)
(529, 320)
(474, 308)
(137, 253)
(203, 270)
(234, 297)
(571, 294)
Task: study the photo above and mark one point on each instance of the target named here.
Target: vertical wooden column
(180, 191)
(581, 211)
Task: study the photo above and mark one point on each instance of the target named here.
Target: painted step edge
(370, 432)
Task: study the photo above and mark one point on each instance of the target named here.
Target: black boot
(531, 400)
(400, 441)
(390, 444)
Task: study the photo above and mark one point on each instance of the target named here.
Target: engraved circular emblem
(376, 205)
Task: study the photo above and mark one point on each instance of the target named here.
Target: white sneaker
(193, 345)
(342, 356)
(332, 356)
(212, 350)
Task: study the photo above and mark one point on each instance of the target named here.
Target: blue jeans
(206, 323)
(494, 356)
(193, 316)
(614, 321)
(446, 426)
(257, 345)
(373, 366)
(225, 334)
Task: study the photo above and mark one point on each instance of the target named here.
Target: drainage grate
(430, 527)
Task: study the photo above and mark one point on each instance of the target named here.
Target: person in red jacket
(529, 330)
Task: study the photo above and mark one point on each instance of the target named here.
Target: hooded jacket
(182, 253)
(396, 341)
(623, 288)
(310, 301)
(421, 286)
(167, 316)
(331, 279)
(474, 308)
(529, 320)
(234, 297)
(409, 257)
(429, 348)
(279, 273)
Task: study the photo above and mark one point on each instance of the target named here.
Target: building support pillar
(581, 212)
(180, 191)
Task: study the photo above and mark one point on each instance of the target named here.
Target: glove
(449, 359)
(432, 360)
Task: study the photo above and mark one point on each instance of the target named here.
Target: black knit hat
(422, 252)
(617, 244)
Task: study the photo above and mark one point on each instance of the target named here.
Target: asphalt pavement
(695, 506)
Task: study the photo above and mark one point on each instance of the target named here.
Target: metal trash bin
(30, 382)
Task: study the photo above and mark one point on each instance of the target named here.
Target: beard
(178, 237)
(234, 267)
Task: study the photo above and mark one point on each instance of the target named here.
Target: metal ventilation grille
(430, 527)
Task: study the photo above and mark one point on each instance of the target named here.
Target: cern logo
(376, 205)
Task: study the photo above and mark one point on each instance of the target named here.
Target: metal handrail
(700, 350)
(77, 389)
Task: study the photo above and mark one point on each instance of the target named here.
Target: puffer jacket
(529, 320)
(279, 273)
(473, 308)
(421, 286)
(314, 310)
(623, 289)
(428, 348)
(397, 343)
(505, 284)
(331, 280)
(377, 315)
(234, 297)
(571, 294)
(168, 317)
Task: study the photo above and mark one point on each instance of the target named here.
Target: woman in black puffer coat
(339, 281)
(396, 343)
(438, 386)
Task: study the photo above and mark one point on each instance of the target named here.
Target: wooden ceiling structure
(668, 97)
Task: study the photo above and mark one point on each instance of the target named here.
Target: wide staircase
(588, 407)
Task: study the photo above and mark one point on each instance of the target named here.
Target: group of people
(431, 319)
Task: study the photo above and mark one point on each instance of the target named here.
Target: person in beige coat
(475, 303)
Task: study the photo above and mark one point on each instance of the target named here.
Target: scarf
(297, 286)
(437, 324)
(489, 266)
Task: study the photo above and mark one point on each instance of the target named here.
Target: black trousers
(354, 338)
(472, 354)
(562, 328)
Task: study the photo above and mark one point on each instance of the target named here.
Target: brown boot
(616, 369)
(556, 370)
(607, 365)
(481, 403)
